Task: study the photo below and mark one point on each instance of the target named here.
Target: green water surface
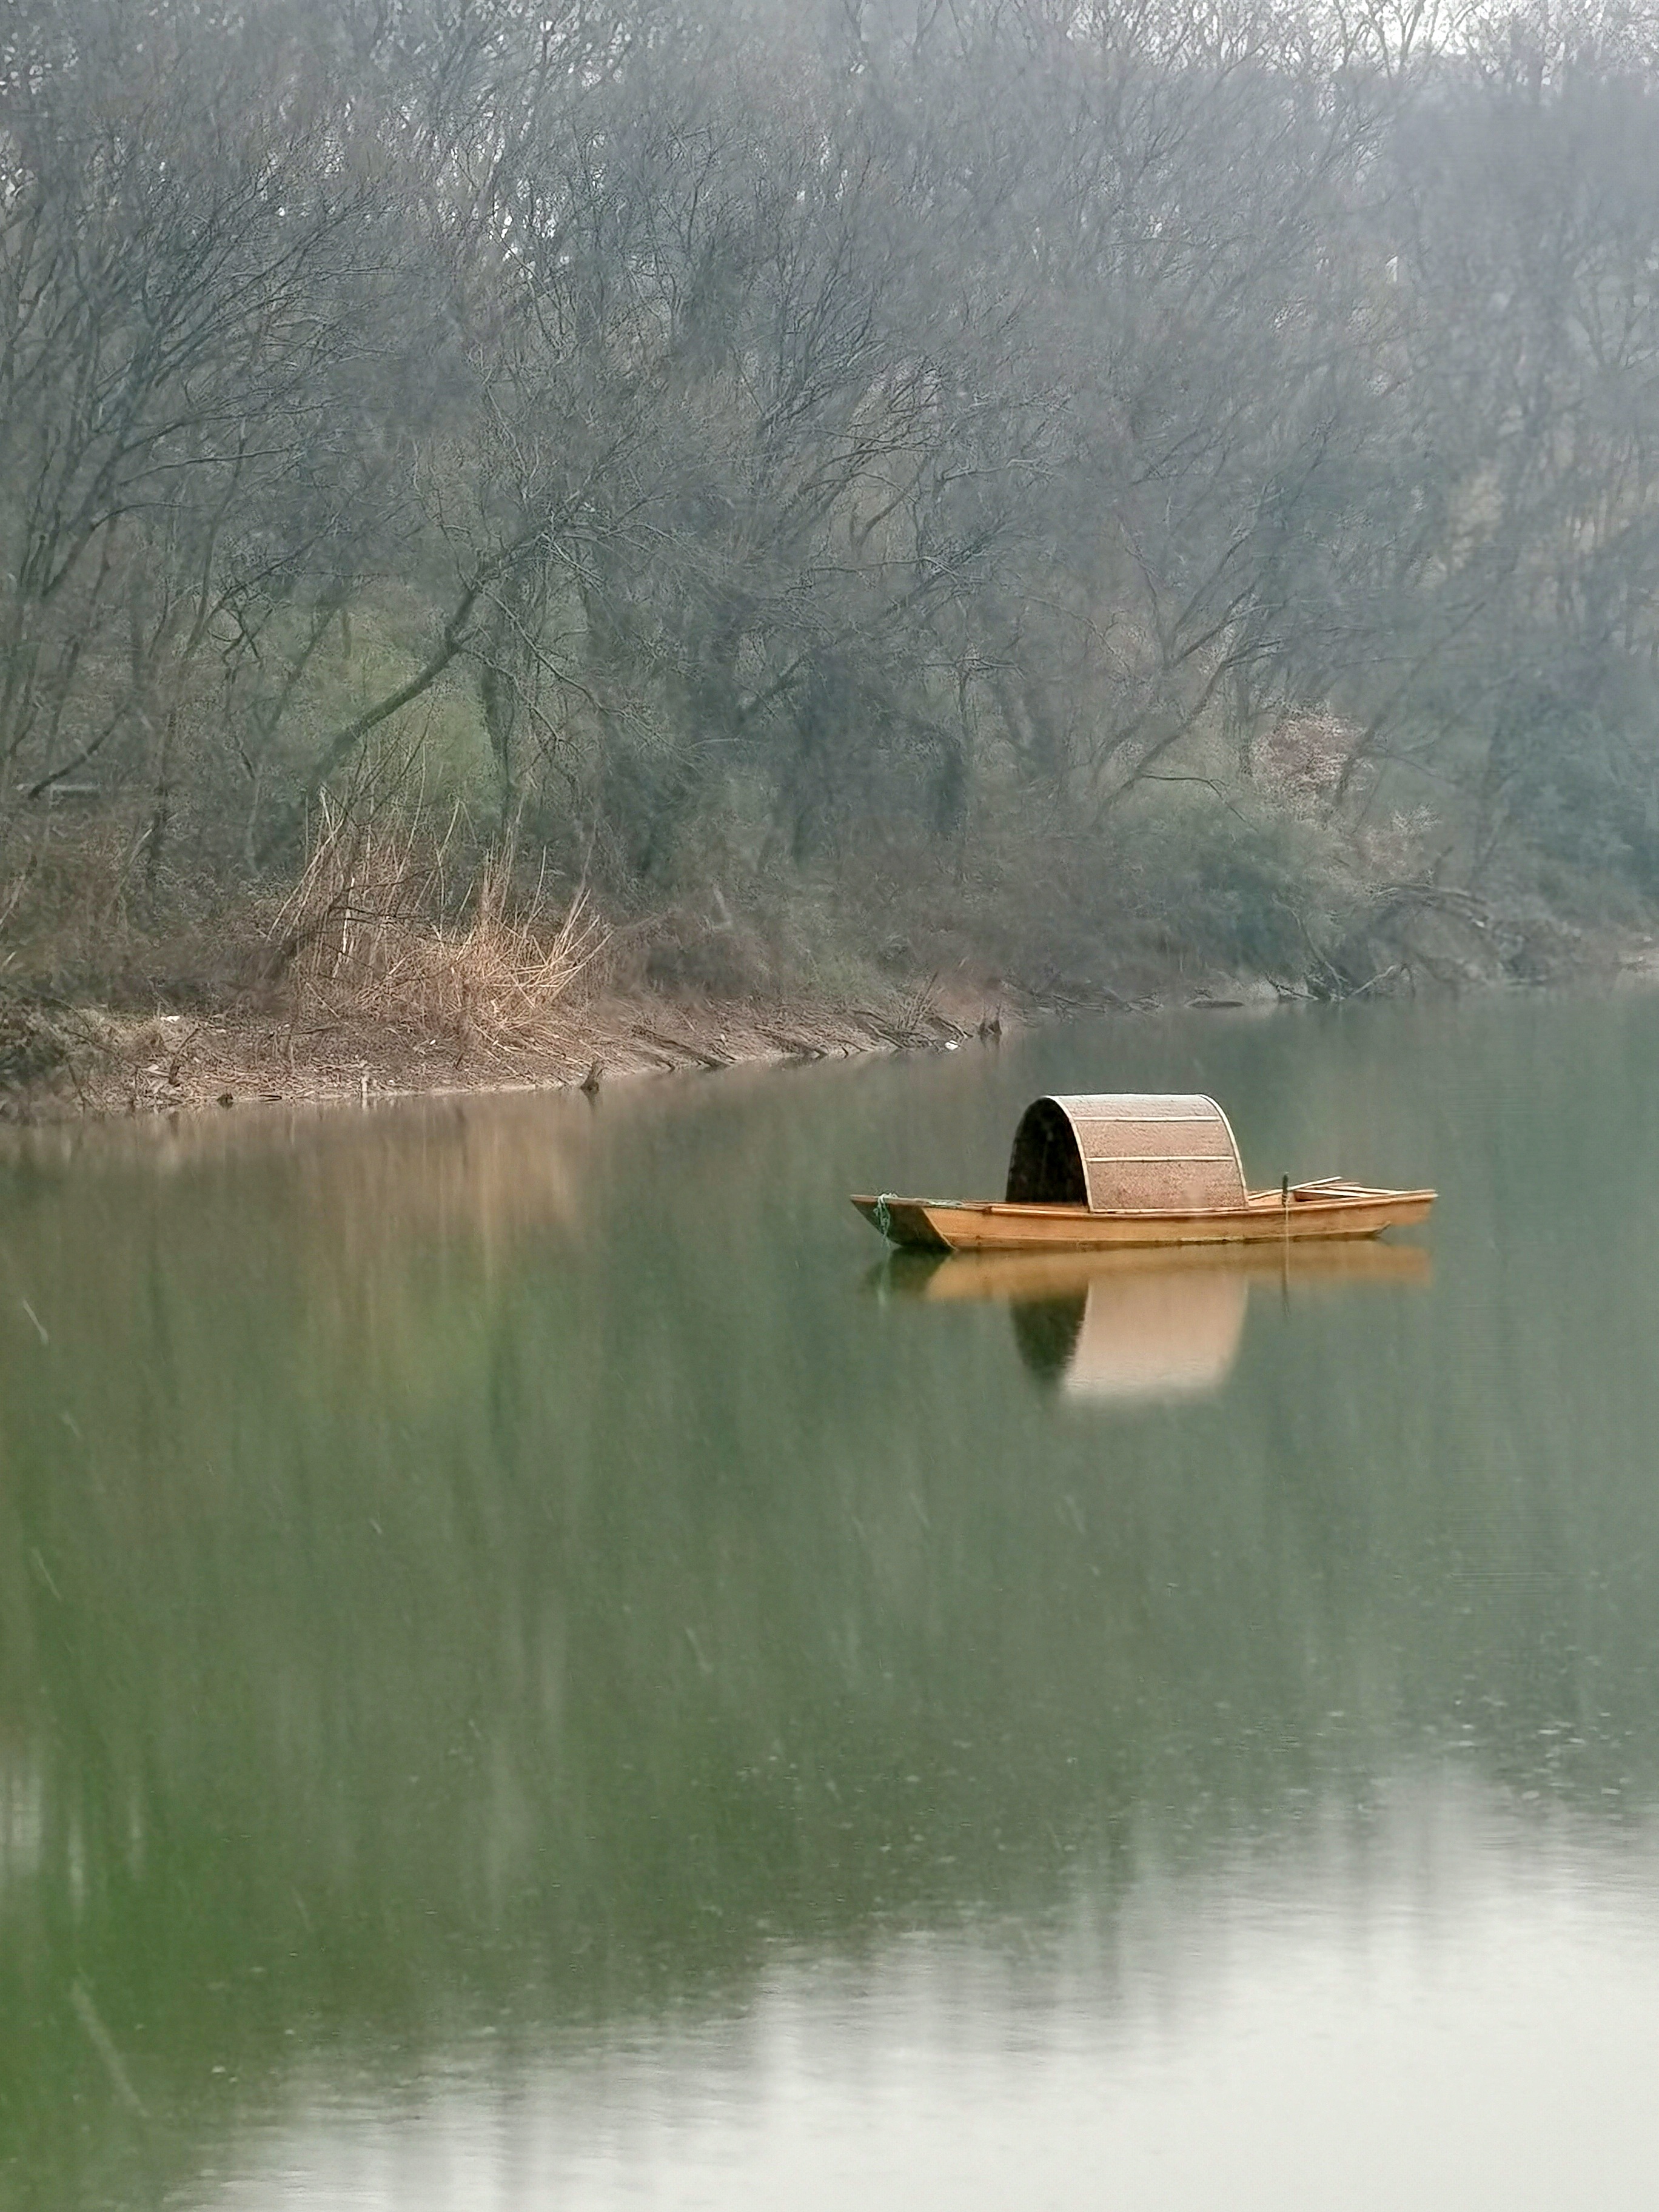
(537, 1670)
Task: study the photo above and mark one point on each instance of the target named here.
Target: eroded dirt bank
(60, 1060)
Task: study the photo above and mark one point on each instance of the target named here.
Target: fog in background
(836, 480)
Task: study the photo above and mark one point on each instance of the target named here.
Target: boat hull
(956, 1225)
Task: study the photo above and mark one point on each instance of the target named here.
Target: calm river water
(537, 1670)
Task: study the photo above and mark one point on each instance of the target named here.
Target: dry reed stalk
(361, 884)
(363, 929)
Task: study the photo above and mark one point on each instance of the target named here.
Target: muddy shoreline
(70, 1062)
(64, 1061)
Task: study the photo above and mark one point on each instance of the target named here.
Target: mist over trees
(1051, 471)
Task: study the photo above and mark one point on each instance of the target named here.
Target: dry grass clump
(375, 927)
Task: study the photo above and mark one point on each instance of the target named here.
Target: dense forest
(803, 487)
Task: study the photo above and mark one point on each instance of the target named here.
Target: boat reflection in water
(1142, 1326)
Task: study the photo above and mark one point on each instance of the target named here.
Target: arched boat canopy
(1126, 1152)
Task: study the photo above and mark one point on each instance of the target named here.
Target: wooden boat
(1131, 1168)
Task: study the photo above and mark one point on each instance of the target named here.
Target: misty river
(538, 1668)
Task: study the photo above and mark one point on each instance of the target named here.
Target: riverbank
(335, 994)
(62, 1060)
(67, 1061)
